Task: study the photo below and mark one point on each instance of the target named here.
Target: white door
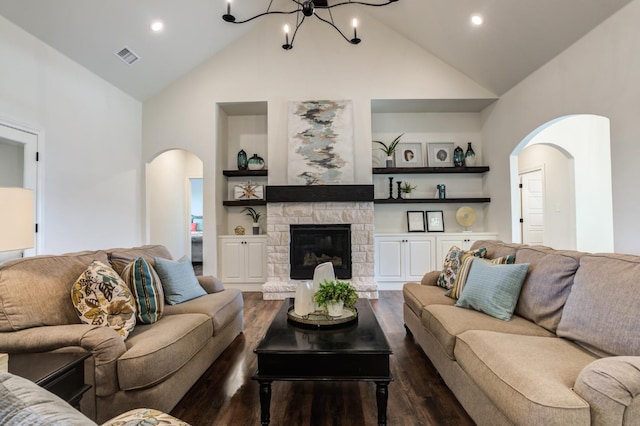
(532, 203)
(19, 168)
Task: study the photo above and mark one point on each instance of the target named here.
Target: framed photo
(409, 155)
(435, 221)
(440, 154)
(415, 221)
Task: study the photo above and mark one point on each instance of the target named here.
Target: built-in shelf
(244, 203)
(430, 200)
(245, 173)
(426, 170)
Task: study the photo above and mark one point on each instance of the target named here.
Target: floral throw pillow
(452, 262)
(102, 298)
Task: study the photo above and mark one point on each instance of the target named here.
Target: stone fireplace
(281, 215)
(312, 245)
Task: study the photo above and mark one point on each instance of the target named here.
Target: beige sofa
(569, 356)
(153, 368)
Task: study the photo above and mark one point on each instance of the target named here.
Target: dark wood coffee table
(357, 352)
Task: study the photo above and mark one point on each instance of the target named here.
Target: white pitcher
(303, 303)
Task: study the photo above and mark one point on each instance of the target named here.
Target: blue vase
(458, 157)
(256, 162)
(469, 156)
(242, 160)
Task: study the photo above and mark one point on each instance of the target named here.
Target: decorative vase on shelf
(242, 160)
(390, 162)
(469, 156)
(458, 157)
(256, 162)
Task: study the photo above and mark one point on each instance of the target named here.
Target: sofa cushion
(178, 279)
(155, 351)
(523, 378)
(417, 296)
(25, 282)
(101, 297)
(601, 311)
(121, 257)
(221, 307)
(22, 402)
(547, 285)
(146, 288)
(452, 262)
(463, 273)
(496, 248)
(493, 288)
(447, 322)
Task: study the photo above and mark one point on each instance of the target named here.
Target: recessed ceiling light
(156, 26)
(477, 20)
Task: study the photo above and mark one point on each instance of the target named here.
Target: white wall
(600, 75)
(321, 66)
(89, 139)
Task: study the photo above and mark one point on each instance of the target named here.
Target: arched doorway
(169, 178)
(584, 140)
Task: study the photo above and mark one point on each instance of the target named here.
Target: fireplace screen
(312, 245)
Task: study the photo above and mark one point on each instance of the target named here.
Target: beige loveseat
(569, 356)
(157, 363)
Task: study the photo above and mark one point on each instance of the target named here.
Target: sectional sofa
(153, 367)
(570, 355)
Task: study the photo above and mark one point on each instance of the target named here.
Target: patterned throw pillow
(452, 262)
(102, 298)
(463, 272)
(146, 287)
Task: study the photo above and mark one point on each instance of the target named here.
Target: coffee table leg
(265, 402)
(382, 395)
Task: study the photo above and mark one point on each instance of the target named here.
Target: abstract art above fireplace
(321, 147)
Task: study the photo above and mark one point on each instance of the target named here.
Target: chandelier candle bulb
(228, 7)
(286, 34)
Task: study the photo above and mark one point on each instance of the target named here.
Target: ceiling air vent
(127, 55)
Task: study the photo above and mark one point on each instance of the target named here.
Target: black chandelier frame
(303, 10)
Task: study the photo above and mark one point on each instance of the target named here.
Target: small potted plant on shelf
(255, 216)
(389, 149)
(332, 296)
(406, 189)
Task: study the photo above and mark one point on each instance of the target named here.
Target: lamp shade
(16, 219)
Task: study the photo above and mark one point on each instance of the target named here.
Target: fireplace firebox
(312, 245)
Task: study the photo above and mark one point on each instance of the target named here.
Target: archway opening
(170, 213)
(584, 141)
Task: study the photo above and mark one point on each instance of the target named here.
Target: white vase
(335, 309)
(256, 229)
(406, 195)
(303, 303)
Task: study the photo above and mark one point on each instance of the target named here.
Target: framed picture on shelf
(435, 221)
(415, 221)
(440, 154)
(409, 154)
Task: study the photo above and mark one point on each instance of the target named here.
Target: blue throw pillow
(179, 282)
(493, 289)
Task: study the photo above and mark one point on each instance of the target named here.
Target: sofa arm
(430, 278)
(104, 343)
(611, 386)
(210, 284)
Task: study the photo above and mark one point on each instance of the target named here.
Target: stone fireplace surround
(359, 214)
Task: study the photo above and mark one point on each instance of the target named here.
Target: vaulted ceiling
(517, 37)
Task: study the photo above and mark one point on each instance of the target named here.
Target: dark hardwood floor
(226, 395)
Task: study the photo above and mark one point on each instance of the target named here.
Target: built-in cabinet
(243, 258)
(400, 258)
(403, 257)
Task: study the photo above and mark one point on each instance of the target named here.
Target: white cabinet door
(401, 257)
(243, 259)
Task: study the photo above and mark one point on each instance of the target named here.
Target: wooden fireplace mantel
(318, 193)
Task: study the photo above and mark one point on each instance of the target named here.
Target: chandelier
(305, 9)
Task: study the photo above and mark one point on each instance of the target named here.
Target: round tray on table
(319, 319)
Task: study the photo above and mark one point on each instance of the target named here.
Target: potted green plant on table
(389, 149)
(332, 296)
(255, 216)
(407, 189)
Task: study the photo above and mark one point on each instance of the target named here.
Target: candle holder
(399, 190)
(390, 188)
